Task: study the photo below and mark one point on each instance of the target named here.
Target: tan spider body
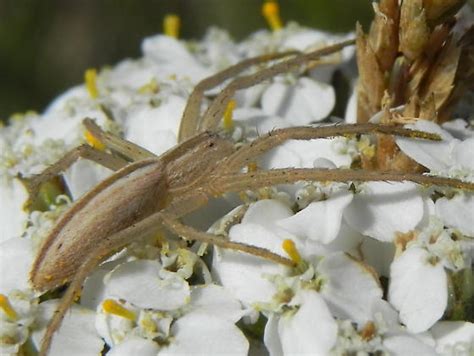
(147, 192)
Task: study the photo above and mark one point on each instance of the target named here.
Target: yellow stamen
(252, 167)
(368, 331)
(112, 307)
(149, 88)
(228, 115)
(7, 308)
(94, 141)
(171, 25)
(90, 77)
(290, 249)
(271, 12)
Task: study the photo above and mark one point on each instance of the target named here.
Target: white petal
(266, 213)
(271, 337)
(456, 337)
(463, 153)
(319, 221)
(281, 157)
(385, 208)
(378, 254)
(76, 335)
(350, 115)
(432, 154)
(16, 258)
(135, 346)
(172, 58)
(199, 334)
(303, 40)
(457, 212)
(83, 175)
(217, 301)
(418, 289)
(242, 274)
(311, 329)
(139, 283)
(250, 96)
(405, 344)
(300, 104)
(13, 218)
(349, 287)
(156, 128)
(59, 102)
(93, 291)
(302, 154)
(459, 128)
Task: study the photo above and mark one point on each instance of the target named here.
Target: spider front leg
(107, 160)
(127, 152)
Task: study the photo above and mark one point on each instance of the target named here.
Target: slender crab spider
(147, 192)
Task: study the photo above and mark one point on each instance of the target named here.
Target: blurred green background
(45, 45)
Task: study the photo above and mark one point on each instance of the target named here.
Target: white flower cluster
(347, 237)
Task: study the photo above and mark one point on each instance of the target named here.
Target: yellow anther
(150, 87)
(112, 307)
(90, 77)
(368, 331)
(94, 141)
(228, 115)
(171, 25)
(252, 167)
(271, 12)
(290, 249)
(7, 308)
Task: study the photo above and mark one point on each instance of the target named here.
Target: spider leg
(127, 149)
(107, 160)
(237, 182)
(190, 233)
(247, 153)
(127, 152)
(215, 111)
(190, 121)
